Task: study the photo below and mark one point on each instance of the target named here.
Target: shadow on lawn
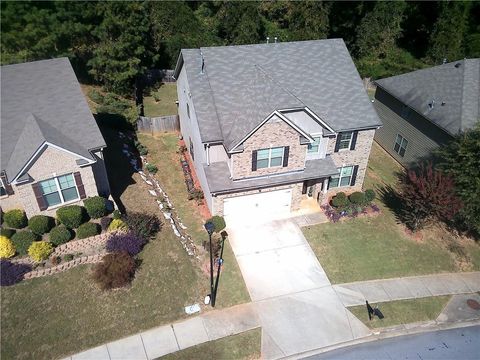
(119, 170)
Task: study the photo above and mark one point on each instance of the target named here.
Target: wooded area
(111, 43)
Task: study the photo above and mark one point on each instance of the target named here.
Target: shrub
(129, 242)
(96, 207)
(105, 222)
(60, 235)
(7, 250)
(88, 229)
(22, 241)
(144, 225)
(115, 270)
(156, 96)
(41, 224)
(195, 194)
(357, 198)
(218, 223)
(71, 216)
(55, 260)
(12, 273)
(117, 224)
(68, 257)
(369, 195)
(40, 250)
(117, 214)
(151, 168)
(95, 96)
(15, 218)
(7, 232)
(340, 200)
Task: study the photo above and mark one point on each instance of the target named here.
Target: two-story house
(424, 109)
(268, 125)
(51, 146)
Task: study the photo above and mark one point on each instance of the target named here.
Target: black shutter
(337, 144)
(254, 160)
(8, 187)
(354, 140)
(354, 175)
(42, 204)
(286, 152)
(79, 183)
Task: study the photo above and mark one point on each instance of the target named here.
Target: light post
(210, 227)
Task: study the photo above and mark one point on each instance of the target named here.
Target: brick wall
(51, 162)
(359, 157)
(274, 133)
(296, 196)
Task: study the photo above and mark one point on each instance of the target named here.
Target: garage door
(269, 204)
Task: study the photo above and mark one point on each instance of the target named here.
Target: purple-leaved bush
(12, 273)
(129, 242)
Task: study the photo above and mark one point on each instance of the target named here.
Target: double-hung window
(400, 145)
(342, 179)
(314, 147)
(59, 190)
(270, 157)
(345, 140)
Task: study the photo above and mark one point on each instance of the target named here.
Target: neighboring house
(424, 109)
(268, 125)
(51, 147)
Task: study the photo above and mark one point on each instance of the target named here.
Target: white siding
(217, 154)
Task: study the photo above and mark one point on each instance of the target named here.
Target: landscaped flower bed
(357, 204)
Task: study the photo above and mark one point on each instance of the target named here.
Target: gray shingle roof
(42, 102)
(241, 85)
(452, 88)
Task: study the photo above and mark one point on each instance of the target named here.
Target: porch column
(325, 185)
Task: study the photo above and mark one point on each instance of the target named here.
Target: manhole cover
(473, 304)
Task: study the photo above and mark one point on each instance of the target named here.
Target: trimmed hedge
(218, 223)
(22, 241)
(71, 216)
(40, 250)
(96, 207)
(88, 229)
(117, 214)
(41, 224)
(357, 198)
(60, 235)
(115, 270)
(7, 249)
(369, 195)
(7, 232)
(340, 200)
(15, 218)
(117, 224)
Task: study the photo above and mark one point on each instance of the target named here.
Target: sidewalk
(163, 340)
(352, 294)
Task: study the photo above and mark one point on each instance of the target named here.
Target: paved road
(458, 344)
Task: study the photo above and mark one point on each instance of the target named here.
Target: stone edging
(63, 267)
(83, 245)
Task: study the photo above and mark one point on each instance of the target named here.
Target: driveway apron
(297, 306)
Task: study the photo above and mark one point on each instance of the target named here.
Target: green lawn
(242, 346)
(377, 247)
(66, 313)
(403, 311)
(166, 106)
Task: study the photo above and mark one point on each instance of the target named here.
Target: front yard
(368, 248)
(58, 315)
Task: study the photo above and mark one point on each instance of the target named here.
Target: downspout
(207, 149)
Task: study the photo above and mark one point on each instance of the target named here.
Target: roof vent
(444, 61)
(431, 104)
(268, 39)
(443, 103)
(457, 65)
(203, 63)
(276, 39)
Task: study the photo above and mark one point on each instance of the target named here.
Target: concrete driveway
(298, 308)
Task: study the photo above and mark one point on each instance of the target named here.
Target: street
(458, 344)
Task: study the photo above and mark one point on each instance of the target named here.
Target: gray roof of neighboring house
(242, 85)
(452, 88)
(42, 102)
(219, 181)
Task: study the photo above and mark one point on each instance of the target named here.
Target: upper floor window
(314, 147)
(270, 157)
(188, 110)
(400, 145)
(345, 140)
(59, 190)
(3, 190)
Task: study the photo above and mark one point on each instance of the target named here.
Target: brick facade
(274, 133)
(49, 163)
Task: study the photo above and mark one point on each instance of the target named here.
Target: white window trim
(340, 178)
(270, 157)
(4, 188)
(319, 137)
(349, 143)
(59, 191)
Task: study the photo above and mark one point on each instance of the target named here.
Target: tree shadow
(119, 170)
(392, 199)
